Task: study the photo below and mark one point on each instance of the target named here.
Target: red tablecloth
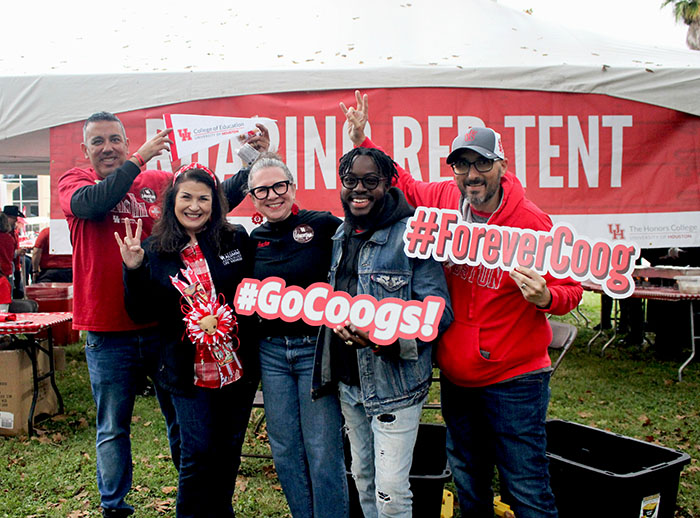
(30, 323)
(649, 292)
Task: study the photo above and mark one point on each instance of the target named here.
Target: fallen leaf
(168, 489)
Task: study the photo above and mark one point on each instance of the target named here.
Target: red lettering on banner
(573, 152)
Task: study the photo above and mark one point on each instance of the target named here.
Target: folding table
(29, 325)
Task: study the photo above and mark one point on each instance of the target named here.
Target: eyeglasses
(263, 191)
(482, 165)
(370, 182)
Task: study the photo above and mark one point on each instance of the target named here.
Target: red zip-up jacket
(491, 317)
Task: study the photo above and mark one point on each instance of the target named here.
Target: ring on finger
(523, 286)
(349, 342)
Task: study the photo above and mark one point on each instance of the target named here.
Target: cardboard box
(17, 389)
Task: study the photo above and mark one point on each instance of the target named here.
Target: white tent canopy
(221, 50)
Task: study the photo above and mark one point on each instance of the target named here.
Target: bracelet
(139, 159)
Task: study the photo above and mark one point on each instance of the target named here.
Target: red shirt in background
(48, 260)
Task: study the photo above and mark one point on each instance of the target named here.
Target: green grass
(53, 475)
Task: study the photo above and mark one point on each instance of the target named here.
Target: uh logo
(616, 231)
(185, 134)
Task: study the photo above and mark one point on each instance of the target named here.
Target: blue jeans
(382, 454)
(500, 425)
(212, 423)
(119, 364)
(305, 435)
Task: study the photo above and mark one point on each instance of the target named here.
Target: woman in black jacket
(305, 435)
(190, 267)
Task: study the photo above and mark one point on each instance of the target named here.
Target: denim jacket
(388, 383)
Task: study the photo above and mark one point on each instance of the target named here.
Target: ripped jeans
(382, 453)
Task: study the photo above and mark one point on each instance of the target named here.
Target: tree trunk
(693, 37)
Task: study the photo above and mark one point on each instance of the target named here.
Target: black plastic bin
(599, 473)
(429, 473)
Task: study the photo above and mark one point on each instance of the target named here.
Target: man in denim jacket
(381, 388)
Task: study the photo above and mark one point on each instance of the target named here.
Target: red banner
(609, 166)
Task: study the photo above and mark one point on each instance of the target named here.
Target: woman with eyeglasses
(305, 435)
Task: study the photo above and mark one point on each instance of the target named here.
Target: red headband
(195, 165)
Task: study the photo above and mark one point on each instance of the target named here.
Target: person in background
(120, 353)
(305, 435)
(669, 319)
(7, 255)
(494, 364)
(48, 267)
(12, 213)
(192, 263)
(381, 388)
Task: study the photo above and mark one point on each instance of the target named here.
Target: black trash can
(599, 473)
(429, 473)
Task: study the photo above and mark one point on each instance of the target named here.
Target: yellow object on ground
(448, 504)
(502, 509)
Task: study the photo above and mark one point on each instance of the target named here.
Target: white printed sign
(194, 133)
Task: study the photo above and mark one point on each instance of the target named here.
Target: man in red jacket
(493, 358)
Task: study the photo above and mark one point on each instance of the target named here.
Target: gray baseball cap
(484, 141)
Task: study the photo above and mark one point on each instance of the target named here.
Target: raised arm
(417, 192)
(95, 200)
